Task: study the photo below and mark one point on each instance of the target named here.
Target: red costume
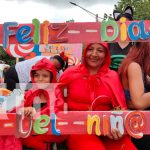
(85, 91)
(38, 141)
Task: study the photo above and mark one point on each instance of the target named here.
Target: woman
(134, 73)
(94, 79)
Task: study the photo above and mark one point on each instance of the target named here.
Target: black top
(117, 54)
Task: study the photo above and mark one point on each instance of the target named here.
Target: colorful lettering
(104, 25)
(23, 34)
(90, 121)
(135, 123)
(7, 32)
(40, 124)
(36, 36)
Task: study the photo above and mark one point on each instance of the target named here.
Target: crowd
(95, 78)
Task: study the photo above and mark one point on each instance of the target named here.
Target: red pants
(38, 142)
(93, 142)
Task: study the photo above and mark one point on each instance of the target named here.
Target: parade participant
(134, 72)
(87, 82)
(37, 101)
(120, 49)
(20, 73)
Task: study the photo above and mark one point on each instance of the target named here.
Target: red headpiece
(65, 58)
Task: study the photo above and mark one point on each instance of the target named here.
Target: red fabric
(10, 143)
(38, 141)
(93, 142)
(78, 78)
(122, 144)
(85, 142)
(31, 94)
(46, 65)
(91, 87)
(62, 54)
(34, 92)
(102, 91)
(107, 60)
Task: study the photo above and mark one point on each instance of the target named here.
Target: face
(57, 64)
(42, 78)
(95, 55)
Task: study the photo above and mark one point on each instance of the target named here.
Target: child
(37, 100)
(20, 73)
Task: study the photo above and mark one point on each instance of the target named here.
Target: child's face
(41, 77)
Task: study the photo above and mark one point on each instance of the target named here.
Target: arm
(139, 99)
(60, 99)
(66, 79)
(59, 92)
(118, 97)
(26, 108)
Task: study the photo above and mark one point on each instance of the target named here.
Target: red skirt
(93, 142)
(38, 142)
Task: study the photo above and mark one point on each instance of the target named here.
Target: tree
(71, 20)
(140, 8)
(5, 57)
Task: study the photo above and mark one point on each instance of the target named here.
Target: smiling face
(42, 78)
(95, 56)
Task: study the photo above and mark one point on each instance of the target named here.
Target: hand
(115, 134)
(130, 105)
(6, 67)
(28, 111)
(2, 110)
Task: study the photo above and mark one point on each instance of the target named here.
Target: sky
(23, 11)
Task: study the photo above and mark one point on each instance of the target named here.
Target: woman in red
(86, 85)
(37, 100)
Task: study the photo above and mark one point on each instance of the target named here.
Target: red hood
(46, 65)
(106, 77)
(107, 59)
(34, 91)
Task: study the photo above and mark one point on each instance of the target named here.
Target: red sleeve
(117, 90)
(64, 81)
(59, 103)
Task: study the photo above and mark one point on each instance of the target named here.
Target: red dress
(84, 91)
(38, 141)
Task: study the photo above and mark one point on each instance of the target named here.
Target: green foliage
(140, 8)
(71, 20)
(5, 57)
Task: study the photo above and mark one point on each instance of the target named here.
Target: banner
(77, 122)
(50, 33)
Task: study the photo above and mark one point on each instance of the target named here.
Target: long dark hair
(139, 53)
(63, 64)
(61, 61)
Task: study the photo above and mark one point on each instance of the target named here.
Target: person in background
(3, 68)
(20, 73)
(119, 50)
(90, 86)
(134, 72)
